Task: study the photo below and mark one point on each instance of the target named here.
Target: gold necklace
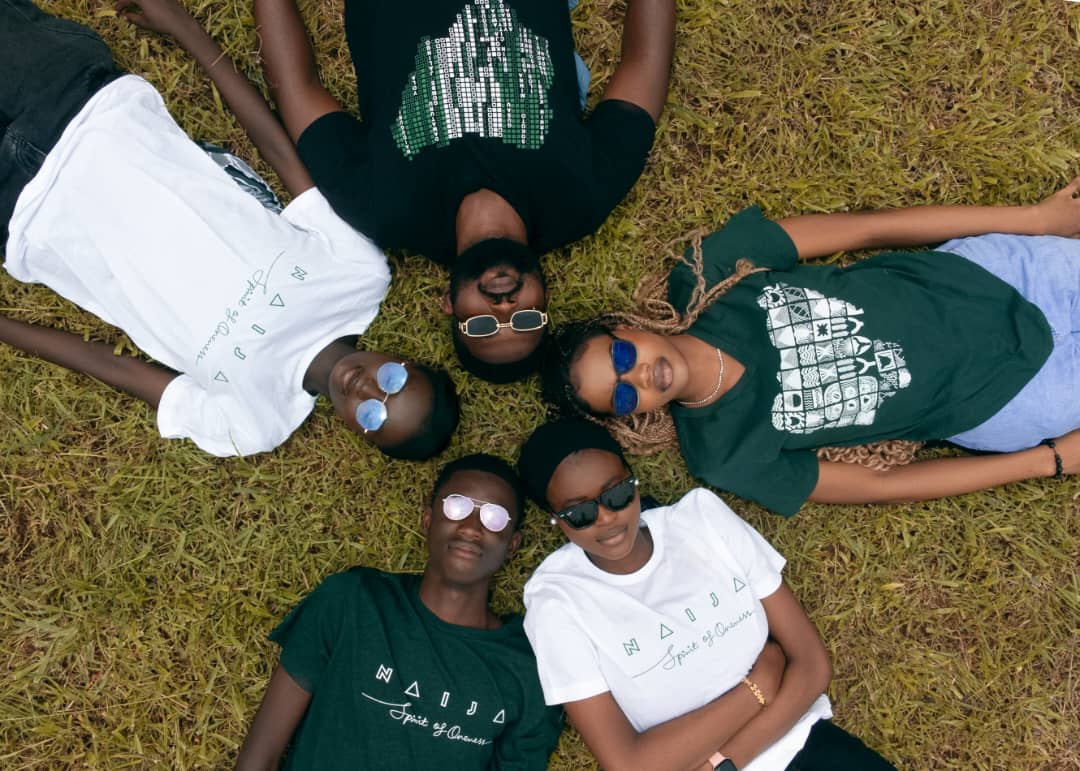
(715, 391)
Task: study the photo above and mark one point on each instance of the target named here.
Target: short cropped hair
(489, 464)
(438, 426)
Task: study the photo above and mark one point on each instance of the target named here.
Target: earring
(553, 521)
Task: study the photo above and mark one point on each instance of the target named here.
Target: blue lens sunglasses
(623, 359)
(391, 377)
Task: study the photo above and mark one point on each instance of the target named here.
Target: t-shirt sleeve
(309, 634)
(335, 150)
(622, 135)
(216, 423)
(781, 485)
(566, 659)
(760, 562)
(749, 235)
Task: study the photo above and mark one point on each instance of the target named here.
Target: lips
(501, 284)
(466, 549)
(612, 537)
(662, 374)
(350, 378)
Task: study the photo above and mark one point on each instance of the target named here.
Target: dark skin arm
(282, 708)
(648, 44)
(685, 742)
(139, 378)
(168, 17)
(819, 235)
(941, 477)
(289, 66)
(806, 677)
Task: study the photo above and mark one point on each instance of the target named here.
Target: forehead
(406, 410)
(481, 485)
(592, 373)
(584, 474)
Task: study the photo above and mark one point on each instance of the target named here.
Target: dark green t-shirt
(919, 345)
(462, 95)
(393, 686)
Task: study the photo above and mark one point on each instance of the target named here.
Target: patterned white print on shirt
(489, 76)
(830, 376)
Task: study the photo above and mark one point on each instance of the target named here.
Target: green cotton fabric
(393, 686)
(919, 345)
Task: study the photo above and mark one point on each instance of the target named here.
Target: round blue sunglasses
(623, 358)
(391, 377)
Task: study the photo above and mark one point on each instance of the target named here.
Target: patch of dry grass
(141, 576)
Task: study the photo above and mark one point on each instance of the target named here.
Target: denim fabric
(1045, 270)
(51, 69)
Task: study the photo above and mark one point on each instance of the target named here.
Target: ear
(447, 306)
(515, 544)
(425, 519)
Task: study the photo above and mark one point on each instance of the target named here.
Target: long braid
(652, 432)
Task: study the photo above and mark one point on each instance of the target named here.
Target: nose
(604, 515)
(471, 528)
(640, 376)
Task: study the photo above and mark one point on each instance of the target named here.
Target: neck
(461, 605)
(317, 376)
(486, 214)
(704, 367)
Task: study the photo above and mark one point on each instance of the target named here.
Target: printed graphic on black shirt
(438, 711)
(490, 76)
(830, 375)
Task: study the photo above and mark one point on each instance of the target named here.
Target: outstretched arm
(289, 66)
(168, 17)
(941, 477)
(645, 63)
(684, 742)
(138, 378)
(806, 677)
(818, 235)
(275, 722)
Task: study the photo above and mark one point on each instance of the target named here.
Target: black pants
(829, 748)
(51, 69)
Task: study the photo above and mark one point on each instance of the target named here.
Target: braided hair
(648, 433)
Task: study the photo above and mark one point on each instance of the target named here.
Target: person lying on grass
(755, 361)
(473, 150)
(393, 670)
(250, 314)
(653, 628)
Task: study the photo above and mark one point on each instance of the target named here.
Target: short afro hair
(489, 464)
(438, 426)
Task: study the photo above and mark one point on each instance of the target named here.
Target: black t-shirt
(394, 686)
(461, 96)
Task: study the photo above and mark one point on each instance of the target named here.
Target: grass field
(140, 577)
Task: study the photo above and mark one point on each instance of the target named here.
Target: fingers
(130, 10)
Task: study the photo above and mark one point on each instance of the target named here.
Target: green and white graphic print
(830, 376)
(490, 76)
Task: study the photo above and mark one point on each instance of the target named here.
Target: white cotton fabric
(674, 635)
(130, 220)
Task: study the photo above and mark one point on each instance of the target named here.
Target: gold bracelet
(755, 690)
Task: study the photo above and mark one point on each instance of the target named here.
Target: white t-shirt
(129, 219)
(670, 637)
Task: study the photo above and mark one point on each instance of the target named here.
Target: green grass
(141, 576)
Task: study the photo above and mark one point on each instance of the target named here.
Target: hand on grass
(1059, 214)
(166, 17)
(768, 670)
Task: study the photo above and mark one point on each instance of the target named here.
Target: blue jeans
(1045, 270)
(51, 69)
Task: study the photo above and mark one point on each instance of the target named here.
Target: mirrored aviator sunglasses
(615, 498)
(391, 377)
(623, 358)
(492, 516)
(487, 325)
